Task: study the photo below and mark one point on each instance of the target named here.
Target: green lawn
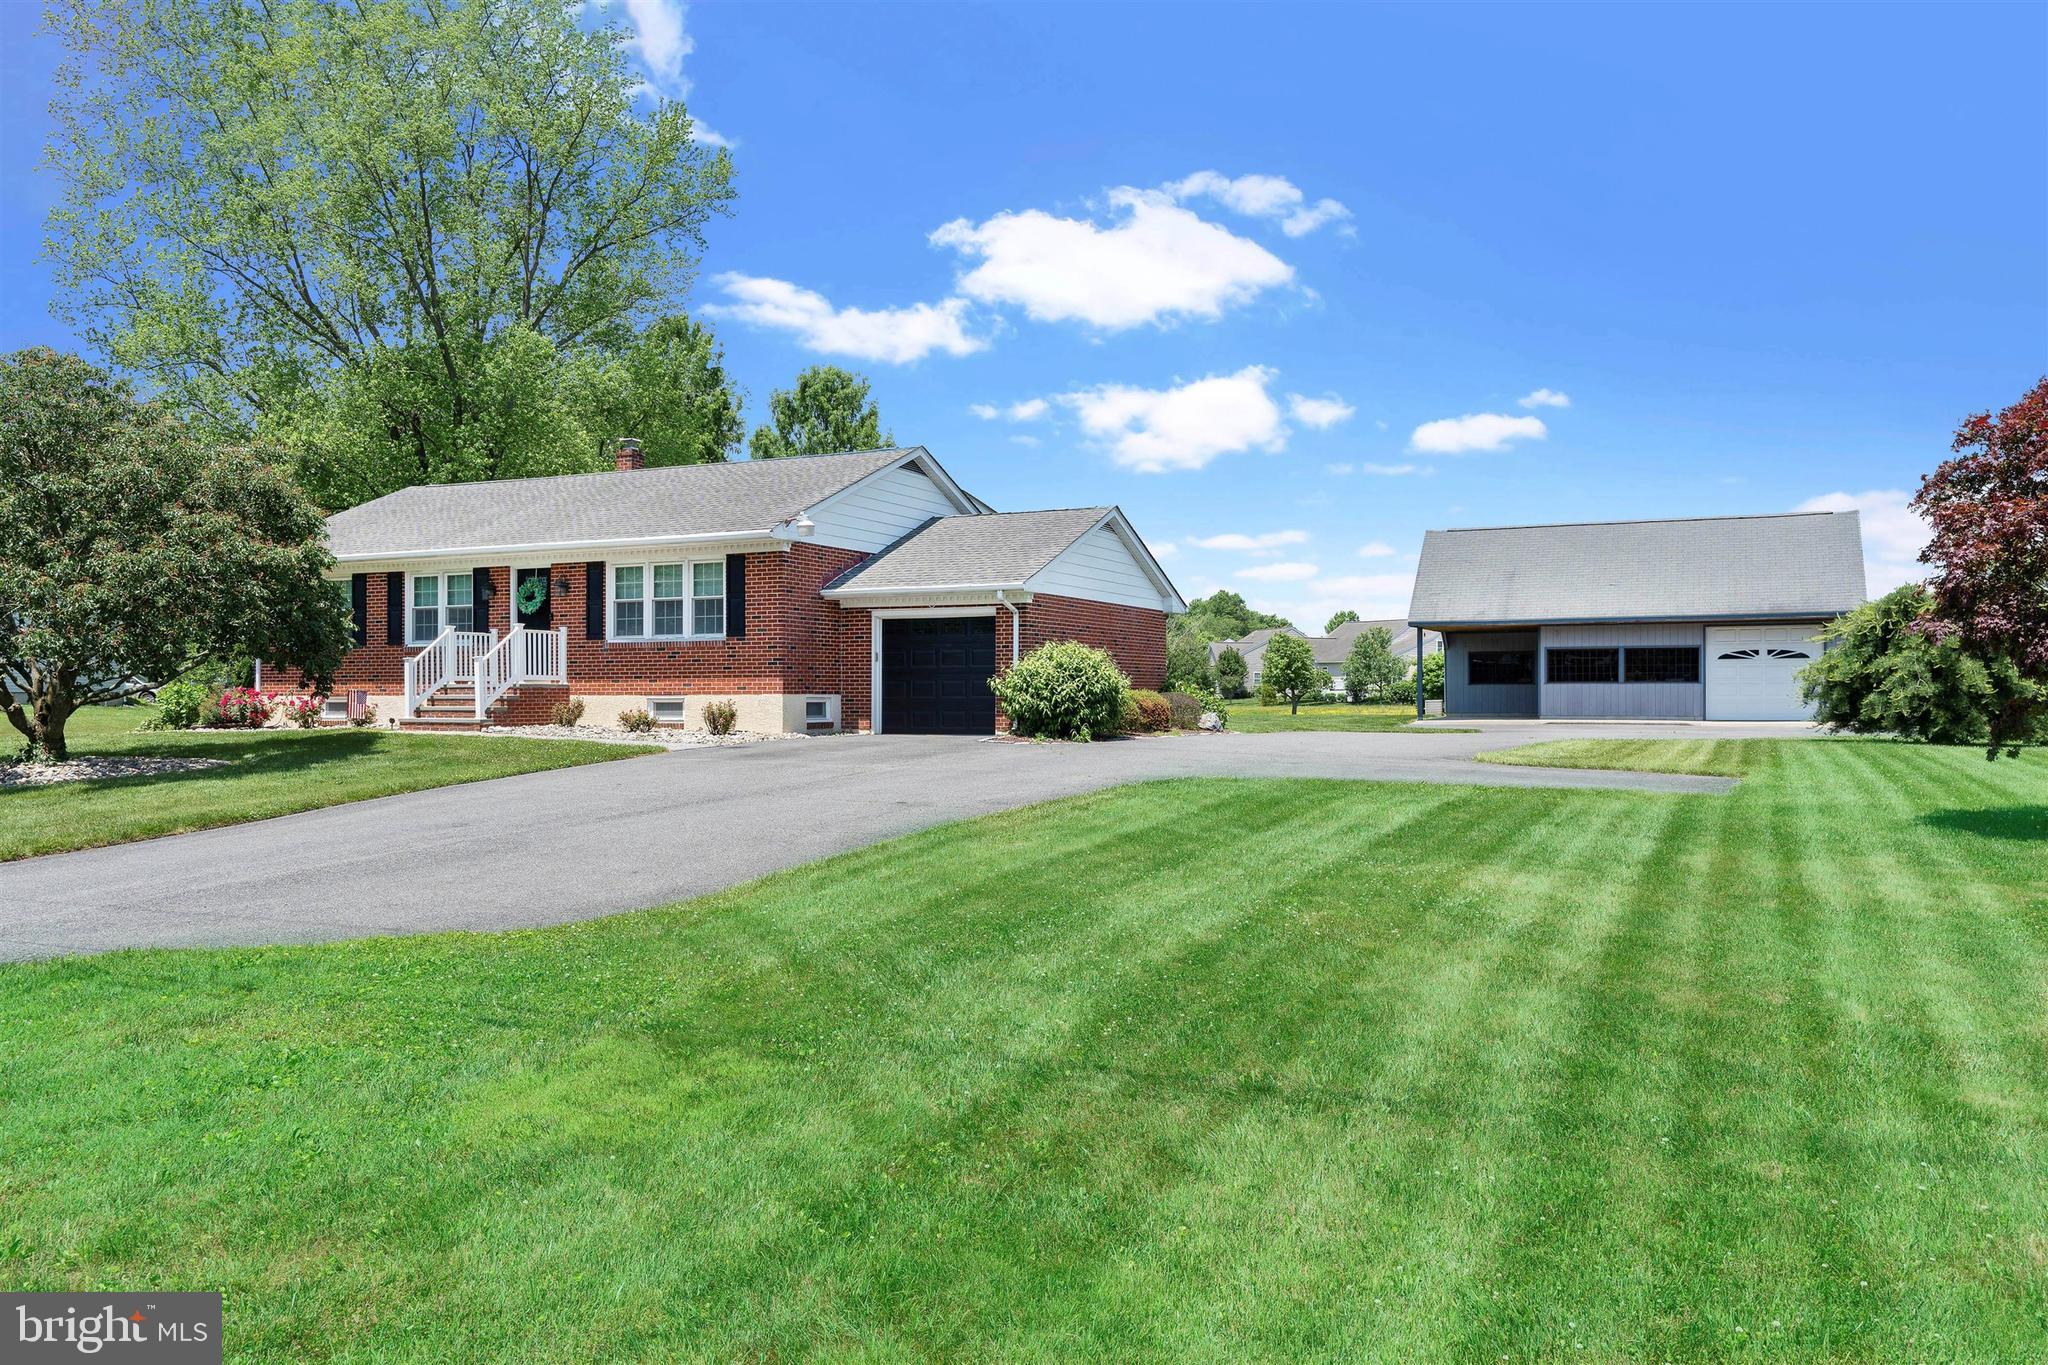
(1255, 719)
(1698, 757)
(271, 772)
(1213, 1070)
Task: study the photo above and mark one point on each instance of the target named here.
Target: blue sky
(1302, 283)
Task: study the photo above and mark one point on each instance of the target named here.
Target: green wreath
(532, 595)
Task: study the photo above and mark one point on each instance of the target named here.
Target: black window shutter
(735, 597)
(593, 600)
(359, 606)
(394, 608)
(480, 599)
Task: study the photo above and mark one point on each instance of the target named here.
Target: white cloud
(1375, 549)
(1545, 398)
(987, 412)
(1475, 431)
(1340, 468)
(893, 336)
(1262, 196)
(1320, 413)
(660, 40)
(1392, 470)
(1162, 549)
(1022, 440)
(1156, 262)
(1893, 534)
(1262, 543)
(1154, 430)
(1030, 410)
(1287, 571)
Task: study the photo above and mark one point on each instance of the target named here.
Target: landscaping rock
(615, 734)
(93, 769)
(1210, 721)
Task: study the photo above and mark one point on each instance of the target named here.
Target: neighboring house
(1251, 649)
(1330, 651)
(860, 591)
(1703, 618)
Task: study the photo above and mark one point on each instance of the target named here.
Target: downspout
(1016, 625)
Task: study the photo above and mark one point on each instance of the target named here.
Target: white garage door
(1753, 672)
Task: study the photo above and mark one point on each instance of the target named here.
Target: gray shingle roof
(570, 509)
(1333, 649)
(1797, 564)
(998, 549)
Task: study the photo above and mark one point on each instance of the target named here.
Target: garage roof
(994, 550)
(1802, 564)
(615, 506)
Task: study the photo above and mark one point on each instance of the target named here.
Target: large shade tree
(827, 412)
(390, 236)
(1987, 509)
(133, 549)
(669, 388)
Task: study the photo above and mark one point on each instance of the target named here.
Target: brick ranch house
(862, 591)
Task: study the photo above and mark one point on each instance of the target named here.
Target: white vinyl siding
(1099, 567)
(881, 511)
(684, 600)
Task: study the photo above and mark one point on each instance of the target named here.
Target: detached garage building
(1708, 618)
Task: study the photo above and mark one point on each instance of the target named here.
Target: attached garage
(953, 603)
(935, 673)
(1752, 672)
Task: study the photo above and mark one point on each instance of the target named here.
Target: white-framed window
(439, 602)
(334, 708)
(669, 710)
(680, 601)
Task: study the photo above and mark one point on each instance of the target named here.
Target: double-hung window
(682, 601)
(441, 601)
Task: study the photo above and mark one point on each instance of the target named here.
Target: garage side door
(1752, 672)
(935, 676)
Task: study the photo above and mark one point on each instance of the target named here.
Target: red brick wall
(793, 641)
(1134, 636)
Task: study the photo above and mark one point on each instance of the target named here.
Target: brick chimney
(628, 455)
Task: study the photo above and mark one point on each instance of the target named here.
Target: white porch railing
(523, 656)
(450, 657)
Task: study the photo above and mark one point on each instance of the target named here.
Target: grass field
(1255, 719)
(1210, 1070)
(271, 772)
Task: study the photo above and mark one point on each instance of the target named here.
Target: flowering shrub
(301, 711)
(720, 717)
(636, 720)
(241, 708)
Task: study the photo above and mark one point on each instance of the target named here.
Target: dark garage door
(935, 676)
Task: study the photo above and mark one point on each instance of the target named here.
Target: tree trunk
(1294, 704)
(43, 716)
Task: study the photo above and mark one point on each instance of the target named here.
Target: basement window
(1583, 665)
(669, 710)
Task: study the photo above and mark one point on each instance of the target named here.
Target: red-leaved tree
(1988, 510)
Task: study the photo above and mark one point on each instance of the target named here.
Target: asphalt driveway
(576, 843)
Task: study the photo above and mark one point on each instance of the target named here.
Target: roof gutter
(904, 590)
(780, 531)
